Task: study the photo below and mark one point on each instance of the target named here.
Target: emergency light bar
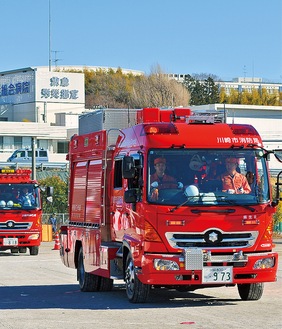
(15, 171)
(205, 117)
(240, 129)
(160, 128)
(200, 119)
(7, 171)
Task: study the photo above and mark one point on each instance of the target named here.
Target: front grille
(13, 226)
(212, 238)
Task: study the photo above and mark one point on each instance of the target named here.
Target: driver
(26, 198)
(160, 180)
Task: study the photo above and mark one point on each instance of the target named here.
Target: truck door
(117, 201)
(123, 208)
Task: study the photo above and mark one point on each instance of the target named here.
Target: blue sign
(15, 89)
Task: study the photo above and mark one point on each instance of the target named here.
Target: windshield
(15, 196)
(207, 177)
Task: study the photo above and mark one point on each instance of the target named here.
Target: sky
(226, 38)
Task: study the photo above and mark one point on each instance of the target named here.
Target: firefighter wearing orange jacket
(232, 181)
(160, 180)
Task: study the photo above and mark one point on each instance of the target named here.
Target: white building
(31, 100)
(35, 102)
(239, 84)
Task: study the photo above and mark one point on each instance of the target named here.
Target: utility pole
(33, 166)
(50, 57)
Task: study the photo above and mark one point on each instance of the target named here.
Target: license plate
(217, 274)
(10, 242)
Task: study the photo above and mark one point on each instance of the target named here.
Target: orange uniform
(236, 182)
(165, 181)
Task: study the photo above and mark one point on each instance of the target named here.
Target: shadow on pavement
(70, 297)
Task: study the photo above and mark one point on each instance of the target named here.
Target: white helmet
(10, 203)
(2, 203)
(191, 191)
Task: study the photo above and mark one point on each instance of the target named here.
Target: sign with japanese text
(17, 88)
(40, 86)
(60, 87)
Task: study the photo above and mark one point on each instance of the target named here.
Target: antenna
(55, 60)
(50, 58)
(244, 72)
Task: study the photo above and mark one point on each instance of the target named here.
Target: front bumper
(19, 239)
(195, 267)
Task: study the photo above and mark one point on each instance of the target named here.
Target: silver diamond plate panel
(193, 259)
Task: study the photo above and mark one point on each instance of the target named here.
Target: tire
(136, 291)
(34, 250)
(250, 291)
(87, 282)
(106, 284)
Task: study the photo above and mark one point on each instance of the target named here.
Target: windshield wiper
(198, 211)
(233, 203)
(182, 204)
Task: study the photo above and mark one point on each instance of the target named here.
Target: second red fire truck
(20, 211)
(185, 230)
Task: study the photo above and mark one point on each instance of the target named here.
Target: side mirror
(50, 191)
(128, 169)
(278, 184)
(278, 155)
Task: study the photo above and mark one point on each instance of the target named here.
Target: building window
(63, 147)
(1, 143)
(3, 119)
(18, 142)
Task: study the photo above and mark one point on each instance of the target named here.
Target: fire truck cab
(161, 207)
(20, 211)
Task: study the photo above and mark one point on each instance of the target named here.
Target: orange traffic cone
(57, 242)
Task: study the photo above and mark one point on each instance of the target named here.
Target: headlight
(264, 263)
(33, 237)
(165, 265)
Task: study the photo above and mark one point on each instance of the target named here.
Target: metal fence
(62, 219)
(39, 166)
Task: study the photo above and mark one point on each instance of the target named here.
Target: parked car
(25, 155)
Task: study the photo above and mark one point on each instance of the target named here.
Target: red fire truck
(20, 211)
(186, 229)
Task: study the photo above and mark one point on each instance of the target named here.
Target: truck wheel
(34, 250)
(87, 282)
(106, 284)
(136, 291)
(250, 291)
(22, 250)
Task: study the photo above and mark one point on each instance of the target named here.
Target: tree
(157, 90)
(211, 91)
(223, 98)
(202, 91)
(114, 89)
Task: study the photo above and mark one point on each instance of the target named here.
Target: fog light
(264, 263)
(33, 237)
(165, 265)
